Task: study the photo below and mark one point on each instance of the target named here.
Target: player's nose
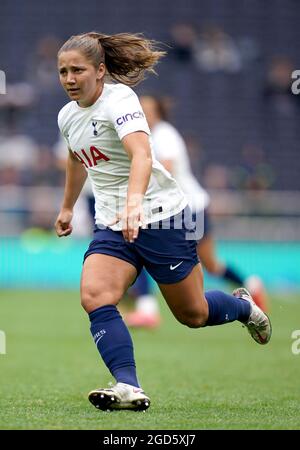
(70, 78)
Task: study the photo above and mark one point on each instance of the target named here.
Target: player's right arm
(75, 179)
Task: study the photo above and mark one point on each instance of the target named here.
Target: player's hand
(131, 223)
(62, 224)
(132, 219)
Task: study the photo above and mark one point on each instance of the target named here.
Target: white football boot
(120, 396)
(258, 324)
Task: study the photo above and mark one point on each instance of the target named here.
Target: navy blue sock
(230, 274)
(114, 343)
(225, 308)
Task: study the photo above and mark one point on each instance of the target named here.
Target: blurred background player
(170, 149)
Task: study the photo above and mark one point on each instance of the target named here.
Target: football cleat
(258, 324)
(140, 319)
(120, 396)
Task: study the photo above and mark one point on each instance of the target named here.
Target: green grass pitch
(212, 378)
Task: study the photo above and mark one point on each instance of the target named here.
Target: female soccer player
(170, 149)
(139, 209)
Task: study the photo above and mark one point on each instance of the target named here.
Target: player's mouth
(73, 91)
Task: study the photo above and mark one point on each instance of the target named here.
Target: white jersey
(169, 145)
(94, 135)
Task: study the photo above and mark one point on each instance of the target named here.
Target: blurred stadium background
(228, 79)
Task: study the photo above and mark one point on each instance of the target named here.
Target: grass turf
(212, 378)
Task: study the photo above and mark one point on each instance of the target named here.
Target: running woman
(140, 210)
(170, 149)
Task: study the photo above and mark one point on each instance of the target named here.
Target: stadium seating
(224, 110)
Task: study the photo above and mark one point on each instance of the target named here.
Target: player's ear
(101, 71)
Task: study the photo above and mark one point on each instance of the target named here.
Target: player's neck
(93, 99)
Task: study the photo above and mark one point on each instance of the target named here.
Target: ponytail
(127, 57)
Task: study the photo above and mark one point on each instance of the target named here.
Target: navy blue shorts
(162, 248)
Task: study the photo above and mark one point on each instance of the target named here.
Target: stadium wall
(49, 263)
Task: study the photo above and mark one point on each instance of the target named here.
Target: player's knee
(194, 319)
(94, 297)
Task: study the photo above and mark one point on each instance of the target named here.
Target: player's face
(79, 78)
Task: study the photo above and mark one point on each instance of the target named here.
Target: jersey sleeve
(65, 139)
(62, 125)
(126, 114)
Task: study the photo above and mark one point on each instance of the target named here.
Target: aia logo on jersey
(90, 157)
(130, 116)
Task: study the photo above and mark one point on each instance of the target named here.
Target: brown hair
(127, 56)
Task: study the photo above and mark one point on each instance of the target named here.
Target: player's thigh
(104, 280)
(186, 298)
(207, 254)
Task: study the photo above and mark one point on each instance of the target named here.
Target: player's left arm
(138, 149)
